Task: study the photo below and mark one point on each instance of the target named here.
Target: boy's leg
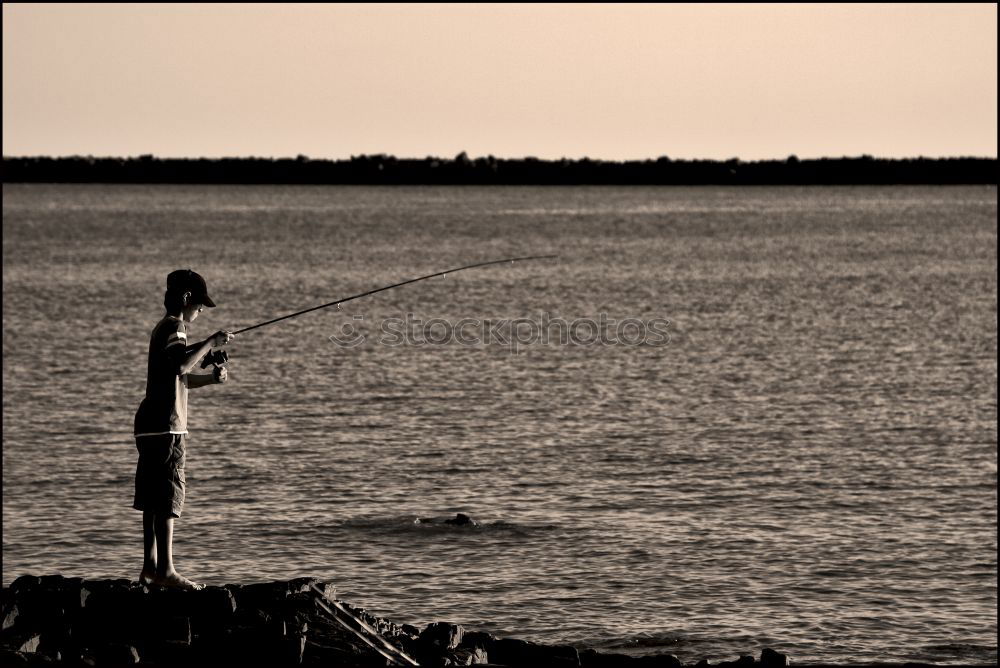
(148, 549)
(163, 531)
(160, 484)
(166, 576)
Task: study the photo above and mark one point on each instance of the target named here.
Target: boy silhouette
(161, 423)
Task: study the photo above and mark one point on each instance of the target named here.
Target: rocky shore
(71, 621)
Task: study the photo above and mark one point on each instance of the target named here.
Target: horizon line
(495, 157)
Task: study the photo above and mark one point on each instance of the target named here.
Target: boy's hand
(221, 338)
(221, 374)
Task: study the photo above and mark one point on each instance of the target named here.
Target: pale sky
(605, 81)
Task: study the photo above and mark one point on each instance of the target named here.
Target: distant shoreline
(461, 170)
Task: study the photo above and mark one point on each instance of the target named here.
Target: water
(809, 463)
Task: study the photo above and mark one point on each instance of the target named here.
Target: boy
(161, 423)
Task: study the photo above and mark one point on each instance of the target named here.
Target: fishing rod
(338, 302)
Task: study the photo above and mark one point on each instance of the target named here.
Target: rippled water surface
(808, 463)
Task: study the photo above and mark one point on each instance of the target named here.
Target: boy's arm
(186, 358)
(189, 357)
(194, 380)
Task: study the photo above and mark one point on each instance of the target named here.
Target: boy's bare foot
(147, 577)
(176, 581)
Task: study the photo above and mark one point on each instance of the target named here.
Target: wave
(687, 647)
(959, 651)
(412, 524)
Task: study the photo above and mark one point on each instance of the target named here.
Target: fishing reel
(215, 358)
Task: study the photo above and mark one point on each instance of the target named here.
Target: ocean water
(802, 454)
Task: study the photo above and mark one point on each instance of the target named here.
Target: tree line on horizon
(384, 169)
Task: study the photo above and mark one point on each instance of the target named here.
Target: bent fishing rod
(338, 302)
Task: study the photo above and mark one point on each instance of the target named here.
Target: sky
(607, 81)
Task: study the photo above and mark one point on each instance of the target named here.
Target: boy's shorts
(159, 475)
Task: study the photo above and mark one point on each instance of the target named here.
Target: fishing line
(338, 302)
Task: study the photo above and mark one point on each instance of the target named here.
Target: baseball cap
(186, 280)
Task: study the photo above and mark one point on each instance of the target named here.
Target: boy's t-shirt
(164, 409)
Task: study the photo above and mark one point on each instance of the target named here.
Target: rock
(382, 626)
(55, 581)
(177, 629)
(12, 658)
(113, 612)
(300, 585)
(465, 657)
(442, 636)
(217, 599)
(162, 602)
(57, 642)
(513, 652)
(24, 584)
(10, 617)
(295, 647)
(71, 594)
(169, 653)
(211, 609)
(480, 639)
(239, 644)
(29, 644)
(107, 593)
(259, 595)
(40, 615)
(297, 626)
(166, 639)
(277, 590)
(460, 519)
(593, 658)
(772, 659)
(176, 616)
(252, 616)
(109, 622)
(659, 661)
(45, 594)
(296, 610)
(271, 643)
(116, 655)
(41, 603)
